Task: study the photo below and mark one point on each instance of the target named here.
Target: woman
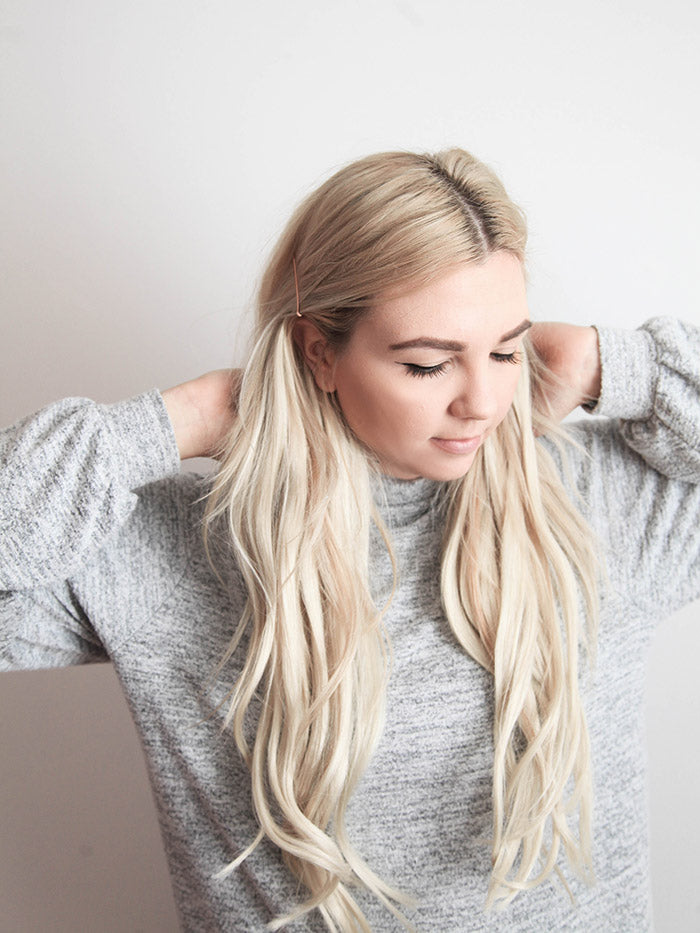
(359, 691)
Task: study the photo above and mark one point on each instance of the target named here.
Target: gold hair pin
(296, 286)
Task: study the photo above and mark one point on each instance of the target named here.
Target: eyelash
(421, 371)
(513, 357)
(416, 370)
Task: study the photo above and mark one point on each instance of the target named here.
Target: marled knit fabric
(101, 558)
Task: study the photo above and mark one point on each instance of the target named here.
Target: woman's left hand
(571, 353)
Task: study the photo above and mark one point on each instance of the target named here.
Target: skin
(410, 419)
(425, 410)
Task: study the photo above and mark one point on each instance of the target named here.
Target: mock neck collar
(403, 501)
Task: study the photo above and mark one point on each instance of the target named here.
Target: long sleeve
(638, 474)
(651, 382)
(67, 481)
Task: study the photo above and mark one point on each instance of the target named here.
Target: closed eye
(416, 370)
(513, 357)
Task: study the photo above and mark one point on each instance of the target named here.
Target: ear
(319, 355)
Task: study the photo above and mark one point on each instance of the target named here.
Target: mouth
(457, 445)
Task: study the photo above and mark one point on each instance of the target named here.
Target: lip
(457, 445)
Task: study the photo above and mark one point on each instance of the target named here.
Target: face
(428, 374)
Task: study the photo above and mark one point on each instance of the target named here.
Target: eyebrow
(435, 343)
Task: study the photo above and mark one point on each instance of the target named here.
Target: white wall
(150, 150)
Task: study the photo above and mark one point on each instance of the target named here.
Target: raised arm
(647, 379)
(636, 470)
(67, 476)
(651, 382)
(201, 411)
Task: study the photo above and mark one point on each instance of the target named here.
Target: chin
(445, 476)
(442, 467)
(445, 472)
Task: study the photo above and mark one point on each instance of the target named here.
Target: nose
(475, 398)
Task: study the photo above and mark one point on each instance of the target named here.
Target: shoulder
(591, 453)
(157, 548)
(166, 527)
(608, 482)
(608, 476)
(171, 506)
(647, 523)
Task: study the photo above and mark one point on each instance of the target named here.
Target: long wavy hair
(294, 495)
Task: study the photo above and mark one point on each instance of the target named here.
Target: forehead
(468, 300)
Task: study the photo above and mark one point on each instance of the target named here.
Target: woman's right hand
(202, 411)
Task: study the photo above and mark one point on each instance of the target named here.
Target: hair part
(293, 494)
(390, 219)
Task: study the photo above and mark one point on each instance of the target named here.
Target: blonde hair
(294, 495)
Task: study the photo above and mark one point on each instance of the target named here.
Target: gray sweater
(101, 559)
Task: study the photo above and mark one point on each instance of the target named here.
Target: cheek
(503, 392)
(378, 405)
(506, 393)
(361, 400)
(405, 406)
